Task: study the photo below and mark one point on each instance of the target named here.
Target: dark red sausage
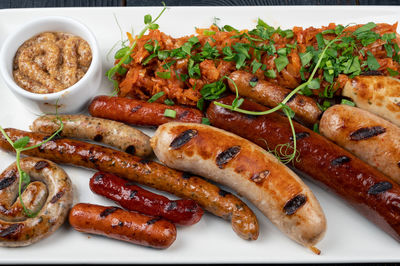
(365, 188)
(135, 198)
(141, 113)
(123, 225)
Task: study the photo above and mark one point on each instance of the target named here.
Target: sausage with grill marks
(135, 198)
(248, 169)
(368, 136)
(146, 172)
(123, 225)
(369, 191)
(50, 204)
(116, 134)
(269, 94)
(140, 113)
(377, 94)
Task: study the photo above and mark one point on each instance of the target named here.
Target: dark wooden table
(86, 3)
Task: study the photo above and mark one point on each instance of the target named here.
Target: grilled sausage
(149, 173)
(110, 132)
(123, 225)
(140, 113)
(269, 94)
(245, 167)
(51, 204)
(369, 191)
(135, 198)
(370, 137)
(378, 94)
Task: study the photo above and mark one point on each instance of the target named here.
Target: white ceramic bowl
(70, 100)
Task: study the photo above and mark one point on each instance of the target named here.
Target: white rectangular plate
(349, 238)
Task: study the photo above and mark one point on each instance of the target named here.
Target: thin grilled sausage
(369, 191)
(370, 137)
(116, 134)
(135, 198)
(269, 94)
(140, 113)
(251, 171)
(51, 204)
(377, 94)
(149, 173)
(123, 225)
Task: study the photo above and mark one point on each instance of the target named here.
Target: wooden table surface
(86, 3)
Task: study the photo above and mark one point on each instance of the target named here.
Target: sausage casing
(140, 113)
(52, 203)
(270, 94)
(369, 191)
(146, 172)
(245, 167)
(123, 225)
(110, 132)
(135, 198)
(368, 136)
(377, 94)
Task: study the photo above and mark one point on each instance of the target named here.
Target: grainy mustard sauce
(51, 62)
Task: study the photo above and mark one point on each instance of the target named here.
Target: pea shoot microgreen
(20, 145)
(125, 52)
(283, 149)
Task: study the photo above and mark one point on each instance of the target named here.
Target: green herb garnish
(205, 121)
(155, 97)
(169, 102)
(20, 145)
(164, 75)
(372, 62)
(347, 102)
(281, 62)
(283, 105)
(392, 72)
(170, 113)
(124, 53)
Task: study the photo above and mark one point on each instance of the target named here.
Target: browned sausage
(50, 195)
(141, 113)
(269, 94)
(246, 168)
(123, 225)
(116, 134)
(184, 185)
(377, 94)
(371, 138)
(365, 188)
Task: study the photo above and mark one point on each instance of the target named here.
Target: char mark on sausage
(366, 133)
(108, 211)
(380, 188)
(260, 177)
(227, 155)
(340, 160)
(294, 204)
(152, 221)
(137, 107)
(300, 135)
(183, 138)
(7, 181)
(56, 197)
(10, 230)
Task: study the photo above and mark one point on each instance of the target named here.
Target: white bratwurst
(249, 170)
(373, 139)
